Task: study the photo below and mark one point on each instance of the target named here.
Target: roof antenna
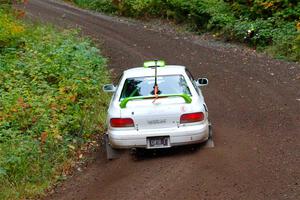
(155, 87)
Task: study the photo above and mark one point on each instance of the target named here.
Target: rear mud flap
(210, 143)
(111, 153)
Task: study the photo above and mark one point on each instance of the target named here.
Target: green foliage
(286, 42)
(279, 38)
(266, 8)
(215, 12)
(141, 8)
(268, 19)
(50, 103)
(98, 5)
(263, 31)
(10, 30)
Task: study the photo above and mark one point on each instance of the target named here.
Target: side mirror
(109, 88)
(202, 82)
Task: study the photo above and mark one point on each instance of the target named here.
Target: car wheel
(210, 142)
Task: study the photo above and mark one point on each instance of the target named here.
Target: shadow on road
(147, 154)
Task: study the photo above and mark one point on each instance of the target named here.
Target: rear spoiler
(186, 98)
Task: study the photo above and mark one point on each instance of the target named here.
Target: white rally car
(156, 106)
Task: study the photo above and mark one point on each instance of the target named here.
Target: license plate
(158, 142)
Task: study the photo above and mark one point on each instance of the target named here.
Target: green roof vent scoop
(154, 63)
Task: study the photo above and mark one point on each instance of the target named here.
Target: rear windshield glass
(143, 86)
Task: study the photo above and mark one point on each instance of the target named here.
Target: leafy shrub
(141, 8)
(98, 5)
(50, 103)
(10, 31)
(278, 37)
(286, 42)
(216, 13)
(263, 31)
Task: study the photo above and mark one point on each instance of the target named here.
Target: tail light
(121, 122)
(192, 117)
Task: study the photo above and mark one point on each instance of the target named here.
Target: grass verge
(51, 103)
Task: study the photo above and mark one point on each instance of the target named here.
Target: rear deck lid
(163, 113)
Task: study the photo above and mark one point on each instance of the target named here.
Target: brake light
(121, 122)
(192, 117)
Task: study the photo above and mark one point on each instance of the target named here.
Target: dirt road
(254, 105)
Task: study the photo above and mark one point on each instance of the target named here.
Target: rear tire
(210, 142)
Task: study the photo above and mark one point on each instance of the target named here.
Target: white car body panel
(159, 118)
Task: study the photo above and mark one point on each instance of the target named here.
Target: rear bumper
(183, 135)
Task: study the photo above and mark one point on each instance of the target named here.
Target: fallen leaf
(44, 136)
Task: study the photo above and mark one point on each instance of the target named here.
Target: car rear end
(157, 122)
(170, 122)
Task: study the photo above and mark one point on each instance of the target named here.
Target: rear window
(143, 86)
